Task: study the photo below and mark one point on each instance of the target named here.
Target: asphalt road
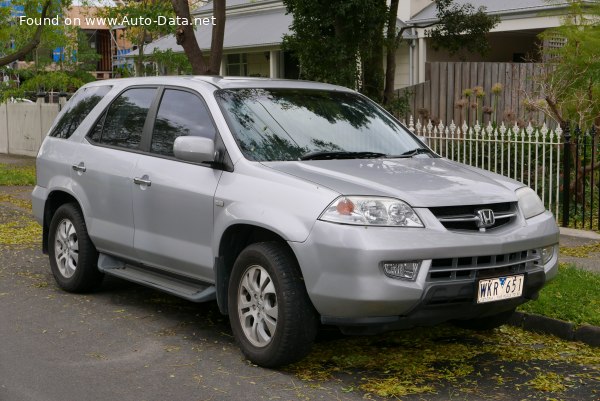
(126, 342)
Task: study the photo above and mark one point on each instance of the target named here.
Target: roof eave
(520, 11)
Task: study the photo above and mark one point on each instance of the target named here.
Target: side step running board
(192, 291)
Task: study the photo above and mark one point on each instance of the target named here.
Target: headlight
(370, 211)
(529, 202)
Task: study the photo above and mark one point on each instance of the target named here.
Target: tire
(485, 323)
(273, 322)
(73, 257)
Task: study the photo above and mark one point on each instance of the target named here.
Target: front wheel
(485, 323)
(271, 316)
(73, 257)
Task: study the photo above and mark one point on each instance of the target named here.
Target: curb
(585, 234)
(587, 334)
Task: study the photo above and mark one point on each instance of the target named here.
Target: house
(255, 28)
(109, 43)
(254, 31)
(514, 39)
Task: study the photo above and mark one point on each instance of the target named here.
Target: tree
(184, 31)
(25, 38)
(569, 89)
(185, 35)
(342, 41)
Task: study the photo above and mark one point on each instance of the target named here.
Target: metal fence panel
(529, 155)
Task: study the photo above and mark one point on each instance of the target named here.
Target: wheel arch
(233, 241)
(55, 200)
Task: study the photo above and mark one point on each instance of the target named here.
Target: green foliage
(342, 41)
(461, 27)
(20, 34)
(86, 58)
(173, 63)
(54, 81)
(561, 298)
(571, 87)
(400, 105)
(48, 81)
(339, 41)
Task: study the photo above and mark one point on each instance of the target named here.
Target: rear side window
(123, 122)
(180, 113)
(77, 110)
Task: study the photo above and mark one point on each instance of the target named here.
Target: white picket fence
(530, 155)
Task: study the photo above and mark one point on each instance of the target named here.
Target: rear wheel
(271, 315)
(485, 323)
(73, 257)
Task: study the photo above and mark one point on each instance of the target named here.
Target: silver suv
(289, 203)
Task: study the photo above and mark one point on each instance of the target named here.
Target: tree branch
(32, 44)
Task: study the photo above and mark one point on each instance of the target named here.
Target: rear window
(77, 110)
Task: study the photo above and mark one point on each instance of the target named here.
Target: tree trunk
(139, 61)
(391, 46)
(32, 44)
(186, 38)
(218, 35)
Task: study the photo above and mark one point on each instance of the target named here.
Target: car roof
(222, 82)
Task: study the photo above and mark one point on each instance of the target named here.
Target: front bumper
(342, 271)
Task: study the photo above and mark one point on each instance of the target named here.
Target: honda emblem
(486, 219)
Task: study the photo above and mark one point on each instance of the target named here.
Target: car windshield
(296, 124)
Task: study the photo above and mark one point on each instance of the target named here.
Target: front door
(173, 200)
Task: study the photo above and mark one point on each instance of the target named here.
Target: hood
(421, 182)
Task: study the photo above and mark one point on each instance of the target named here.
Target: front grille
(466, 218)
(487, 266)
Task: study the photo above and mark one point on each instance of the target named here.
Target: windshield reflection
(285, 124)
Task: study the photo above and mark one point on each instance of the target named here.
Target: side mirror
(194, 149)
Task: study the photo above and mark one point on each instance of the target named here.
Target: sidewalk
(570, 238)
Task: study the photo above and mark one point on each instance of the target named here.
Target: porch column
(274, 64)
(223, 70)
(422, 59)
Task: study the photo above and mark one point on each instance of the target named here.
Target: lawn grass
(17, 175)
(573, 296)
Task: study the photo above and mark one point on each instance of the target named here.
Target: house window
(237, 65)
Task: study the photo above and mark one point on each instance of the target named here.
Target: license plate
(498, 289)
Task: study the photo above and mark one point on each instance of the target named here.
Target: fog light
(547, 254)
(402, 270)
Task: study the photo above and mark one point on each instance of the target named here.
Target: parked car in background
(20, 100)
(289, 203)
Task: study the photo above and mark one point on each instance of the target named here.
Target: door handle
(79, 167)
(142, 181)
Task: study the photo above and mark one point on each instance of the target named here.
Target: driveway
(126, 342)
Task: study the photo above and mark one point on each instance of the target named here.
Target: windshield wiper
(414, 152)
(324, 155)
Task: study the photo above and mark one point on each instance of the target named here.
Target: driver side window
(181, 113)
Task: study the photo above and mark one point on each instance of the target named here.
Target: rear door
(104, 166)
(173, 200)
